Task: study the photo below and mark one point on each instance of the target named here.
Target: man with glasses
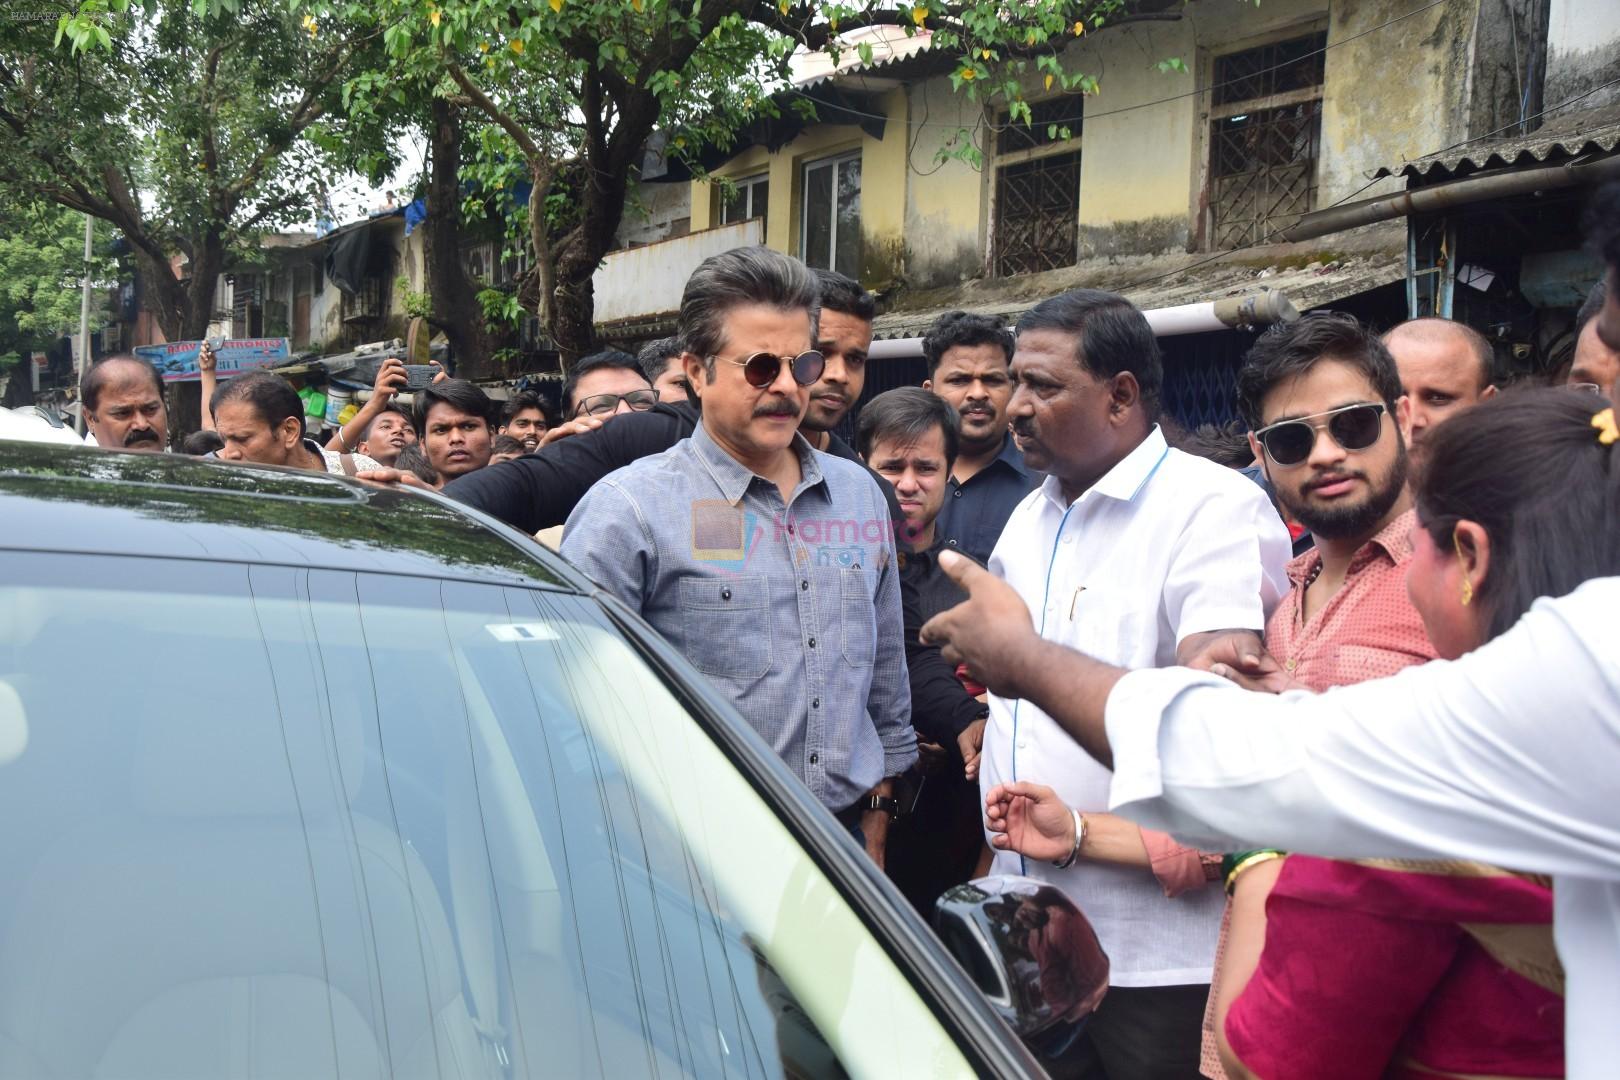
(1151, 557)
(1596, 366)
(607, 384)
(770, 565)
(1323, 400)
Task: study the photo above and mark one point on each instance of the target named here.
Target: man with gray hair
(770, 565)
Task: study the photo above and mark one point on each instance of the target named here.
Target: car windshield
(276, 821)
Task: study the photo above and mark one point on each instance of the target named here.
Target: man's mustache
(139, 436)
(778, 407)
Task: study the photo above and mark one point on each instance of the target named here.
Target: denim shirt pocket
(858, 615)
(726, 625)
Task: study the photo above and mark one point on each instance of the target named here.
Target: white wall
(649, 280)
(1583, 51)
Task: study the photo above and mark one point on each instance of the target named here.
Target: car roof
(94, 501)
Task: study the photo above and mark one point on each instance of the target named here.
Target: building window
(749, 199)
(1264, 139)
(1037, 211)
(830, 237)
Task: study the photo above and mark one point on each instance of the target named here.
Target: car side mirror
(1032, 953)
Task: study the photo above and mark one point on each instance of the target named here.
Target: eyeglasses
(762, 368)
(608, 404)
(1589, 387)
(1354, 427)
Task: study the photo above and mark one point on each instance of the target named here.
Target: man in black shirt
(969, 359)
(910, 437)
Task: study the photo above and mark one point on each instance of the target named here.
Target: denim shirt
(792, 611)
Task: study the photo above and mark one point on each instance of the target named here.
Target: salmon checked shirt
(1368, 630)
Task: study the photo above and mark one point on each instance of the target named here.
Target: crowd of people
(934, 629)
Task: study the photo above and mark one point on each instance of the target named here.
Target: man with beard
(523, 418)
(770, 565)
(123, 404)
(968, 360)
(1322, 397)
(1151, 557)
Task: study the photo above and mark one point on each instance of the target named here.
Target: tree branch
(481, 101)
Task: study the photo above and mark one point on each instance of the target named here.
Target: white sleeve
(1508, 755)
(1229, 566)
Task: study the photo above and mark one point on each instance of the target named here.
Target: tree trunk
(455, 302)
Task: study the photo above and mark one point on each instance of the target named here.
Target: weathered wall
(883, 187)
(946, 203)
(656, 212)
(1583, 51)
(1397, 93)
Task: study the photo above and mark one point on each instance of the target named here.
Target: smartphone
(215, 344)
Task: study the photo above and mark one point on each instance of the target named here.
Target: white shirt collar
(1126, 479)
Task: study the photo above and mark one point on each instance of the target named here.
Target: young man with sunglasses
(1323, 400)
(770, 565)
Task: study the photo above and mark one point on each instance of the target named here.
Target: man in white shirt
(124, 406)
(1143, 556)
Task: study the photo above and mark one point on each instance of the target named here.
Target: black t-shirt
(539, 490)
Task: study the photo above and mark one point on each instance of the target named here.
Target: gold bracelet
(1254, 859)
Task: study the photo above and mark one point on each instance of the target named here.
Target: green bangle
(1235, 864)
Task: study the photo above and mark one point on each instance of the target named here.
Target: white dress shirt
(1165, 545)
(1510, 755)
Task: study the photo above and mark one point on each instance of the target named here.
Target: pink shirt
(1367, 630)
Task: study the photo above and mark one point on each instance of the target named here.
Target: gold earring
(1468, 584)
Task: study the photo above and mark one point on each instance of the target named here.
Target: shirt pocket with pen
(726, 626)
(1105, 622)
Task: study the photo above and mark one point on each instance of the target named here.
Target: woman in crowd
(1384, 968)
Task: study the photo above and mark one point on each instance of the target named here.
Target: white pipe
(1256, 309)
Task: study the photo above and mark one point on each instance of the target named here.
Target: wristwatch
(875, 803)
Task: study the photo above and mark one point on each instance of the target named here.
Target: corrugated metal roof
(1161, 285)
(1590, 131)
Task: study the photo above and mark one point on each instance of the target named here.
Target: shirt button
(952, 543)
(815, 703)
(957, 494)
(803, 585)
(1291, 665)
(812, 643)
(814, 758)
(725, 593)
(1068, 539)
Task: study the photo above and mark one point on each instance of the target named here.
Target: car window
(292, 822)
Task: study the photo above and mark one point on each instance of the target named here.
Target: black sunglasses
(762, 368)
(608, 404)
(1354, 427)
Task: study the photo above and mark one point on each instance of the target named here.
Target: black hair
(963, 328)
(606, 360)
(1527, 466)
(1590, 306)
(656, 356)
(412, 460)
(201, 443)
(392, 407)
(505, 444)
(1601, 224)
(907, 413)
(271, 396)
(736, 278)
(1224, 444)
(845, 295)
(1112, 336)
(96, 379)
(1290, 349)
(523, 399)
(459, 394)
